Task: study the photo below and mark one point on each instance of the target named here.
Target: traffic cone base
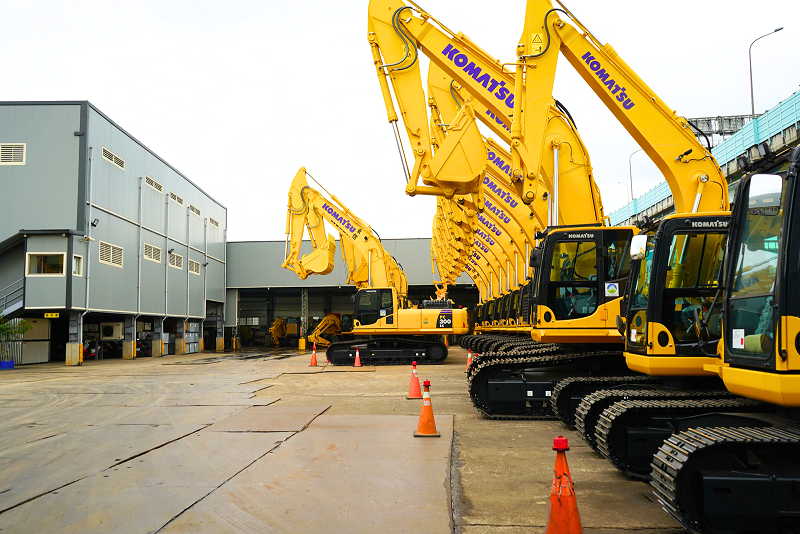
(413, 388)
(426, 428)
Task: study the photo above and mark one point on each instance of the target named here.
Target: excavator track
(730, 480)
(564, 400)
(629, 432)
(591, 407)
(388, 351)
(547, 355)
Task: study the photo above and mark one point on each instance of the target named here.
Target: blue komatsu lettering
(612, 86)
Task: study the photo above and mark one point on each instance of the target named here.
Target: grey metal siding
(47, 291)
(43, 193)
(116, 196)
(231, 307)
(258, 264)
(215, 278)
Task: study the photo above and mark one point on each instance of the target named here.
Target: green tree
(11, 330)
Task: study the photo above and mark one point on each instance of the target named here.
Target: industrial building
(102, 242)
(109, 251)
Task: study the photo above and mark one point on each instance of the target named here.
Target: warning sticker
(738, 338)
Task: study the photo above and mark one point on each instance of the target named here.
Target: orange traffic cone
(358, 359)
(413, 387)
(562, 516)
(314, 356)
(469, 359)
(426, 428)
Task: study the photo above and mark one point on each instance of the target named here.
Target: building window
(152, 253)
(176, 260)
(46, 264)
(77, 265)
(175, 198)
(194, 209)
(213, 222)
(194, 267)
(110, 254)
(152, 183)
(113, 158)
(12, 153)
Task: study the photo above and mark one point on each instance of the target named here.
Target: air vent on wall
(152, 183)
(194, 267)
(175, 198)
(113, 158)
(12, 153)
(110, 254)
(213, 222)
(194, 210)
(152, 253)
(176, 260)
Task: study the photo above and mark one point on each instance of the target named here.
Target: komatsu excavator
(503, 386)
(387, 328)
(747, 479)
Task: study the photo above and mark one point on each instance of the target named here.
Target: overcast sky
(238, 95)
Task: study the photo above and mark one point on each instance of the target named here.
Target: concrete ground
(258, 441)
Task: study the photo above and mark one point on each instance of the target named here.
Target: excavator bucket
(321, 260)
(459, 162)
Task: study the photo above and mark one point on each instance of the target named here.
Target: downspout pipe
(88, 246)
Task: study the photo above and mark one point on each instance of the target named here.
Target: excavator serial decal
(445, 319)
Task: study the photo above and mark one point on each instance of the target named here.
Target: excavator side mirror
(621, 326)
(536, 258)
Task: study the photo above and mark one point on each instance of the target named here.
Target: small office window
(194, 209)
(175, 198)
(46, 264)
(77, 265)
(213, 222)
(12, 153)
(194, 267)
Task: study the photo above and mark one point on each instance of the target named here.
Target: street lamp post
(630, 169)
(750, 58)
(623, 184)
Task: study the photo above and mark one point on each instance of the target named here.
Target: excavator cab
(675, 274)
(761, 314)
(373, 305)
(578, 273)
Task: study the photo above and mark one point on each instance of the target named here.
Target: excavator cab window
(755, 258)
(373, 305)
(572, 288)
(694, 273)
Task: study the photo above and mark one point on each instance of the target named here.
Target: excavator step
(630, 432)
(730, 480)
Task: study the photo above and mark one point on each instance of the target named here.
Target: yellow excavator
(331, 326)
(744, 478)
(387, 329)
(277, 331)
